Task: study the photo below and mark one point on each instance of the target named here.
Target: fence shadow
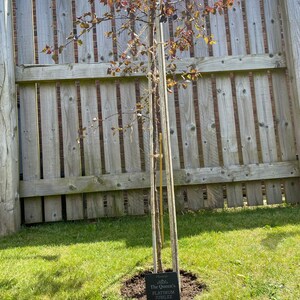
(136, 231)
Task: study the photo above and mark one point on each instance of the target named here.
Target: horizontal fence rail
(37, 73)
(141, 180)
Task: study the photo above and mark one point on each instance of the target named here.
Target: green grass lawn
(238, 254)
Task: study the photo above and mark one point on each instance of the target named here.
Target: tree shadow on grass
(136, 231)
(273, 239)
(7, 284)
(52, 283)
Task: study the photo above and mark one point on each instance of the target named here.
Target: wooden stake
(151, 146)
(161, 208)
(167, 146)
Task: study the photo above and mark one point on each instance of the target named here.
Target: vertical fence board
(104, 44)
(281, 98)
(64, 25)
(179, 197)
(89, 110)
(131, 144)
(69, 111)
(115, 203)
(244, 103)
(263, 100)
(248, 136)
(226, 111)
(86, 50)
(71, 149)
(189, 128)
(49, 110)
(30, 149)
(128, 106)
(50, 147)
(290, 12)
(208, 127)
(28, 110)
(190, 143)
(209, 139)
(122, 34)
(285, 132)
(91, 146)
(267, 133)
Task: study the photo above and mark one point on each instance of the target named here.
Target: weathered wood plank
(226, 110)
(195, 199)
(141, 180)
(208, 127)
(241, 63)
(49, 110)
(228, 137)
(88, 89)
(281, 97)
(64, 23)
(25, 29)
(45, 35)
(29, 131)
(71, 149)
(128, 116)
(104, 44)
(112, 153)
(122, 34)
(69, 111)
(244, 103)
(190, 143)
(91, 145)
(248, 136)
(179, 193)
(10, 218)
(291, 25)
(86, 50)
(131, 144)
(267, 133)
(263, 100)
(141, 29)
(50, 147)
(30, 148)
(285, 132)
(209, 139)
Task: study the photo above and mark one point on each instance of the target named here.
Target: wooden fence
(235, 136)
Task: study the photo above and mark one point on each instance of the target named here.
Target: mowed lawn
(238, 254)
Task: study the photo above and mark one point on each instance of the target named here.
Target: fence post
(9, 159)
(291, 25)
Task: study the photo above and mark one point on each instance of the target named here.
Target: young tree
(149, 53)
